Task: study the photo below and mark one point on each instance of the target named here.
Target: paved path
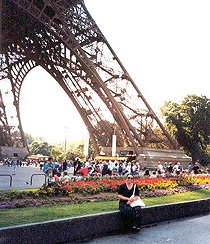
(195, 230)
(21, 177)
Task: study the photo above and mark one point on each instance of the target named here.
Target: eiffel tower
(62, 37)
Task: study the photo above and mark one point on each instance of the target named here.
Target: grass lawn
(17, 216)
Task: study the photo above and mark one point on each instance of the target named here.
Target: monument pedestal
(150, 157)
(10, 152)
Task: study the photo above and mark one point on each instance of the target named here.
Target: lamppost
(114, 143)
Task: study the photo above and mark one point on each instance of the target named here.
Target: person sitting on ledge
(131, 216)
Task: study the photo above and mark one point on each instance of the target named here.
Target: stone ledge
(78, 228)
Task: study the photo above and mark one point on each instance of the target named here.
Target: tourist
(70, 168)
(207, 171)
(57, 177)
(159, 173)
(120, 168)
(146, 173)
(41, 165)
(128, 168)
(90, 170)
(14, 164)
(88, 163)
(160, 166)
(66, 176)
(50, 177)
(106, 171)
(64, 165)
(180, 167)
(138, 168)
(111, 164)
(84, 171)
(114, 172)
(77, 165)
(190, 168)
(116, 166)
(153, 175)
(101, 166)
(195, 169)
(95, 171)
(175, 168)
(49, 166)
(170, 168)
(165, 167)
(131, 216)
(59, 166)
(134, 168)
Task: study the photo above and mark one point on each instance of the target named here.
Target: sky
(163, 44)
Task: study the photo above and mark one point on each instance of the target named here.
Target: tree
(57, 151)
(71, 154)
(38, 147)
(29, 138)
(189, 122)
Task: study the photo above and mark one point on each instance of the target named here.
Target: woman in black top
(131, 216)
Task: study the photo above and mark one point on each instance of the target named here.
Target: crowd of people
(11, 162)
(15, 161)
(58, 171)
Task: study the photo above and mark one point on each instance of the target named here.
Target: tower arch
(62, 37)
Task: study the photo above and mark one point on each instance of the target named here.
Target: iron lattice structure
(62, 37)
(5, 130)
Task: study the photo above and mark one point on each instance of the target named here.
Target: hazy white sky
(164, 45)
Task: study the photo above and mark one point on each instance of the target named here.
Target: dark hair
(50, 158)
(146, 172)
(130, 174)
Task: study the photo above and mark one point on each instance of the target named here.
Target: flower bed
(100, 190)
(111, 185)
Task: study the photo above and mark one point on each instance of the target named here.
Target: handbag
(137, 202)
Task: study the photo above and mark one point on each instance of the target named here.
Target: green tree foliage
(38, 147)
(74, 148)
(72, 153)
(57, 151)
(29, 138)
(189, 122)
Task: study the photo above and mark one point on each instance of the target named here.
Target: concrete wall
(79, 228)
(150, 157)
(10, 151)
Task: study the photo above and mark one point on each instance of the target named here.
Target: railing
(38, 174)
(9, 176)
